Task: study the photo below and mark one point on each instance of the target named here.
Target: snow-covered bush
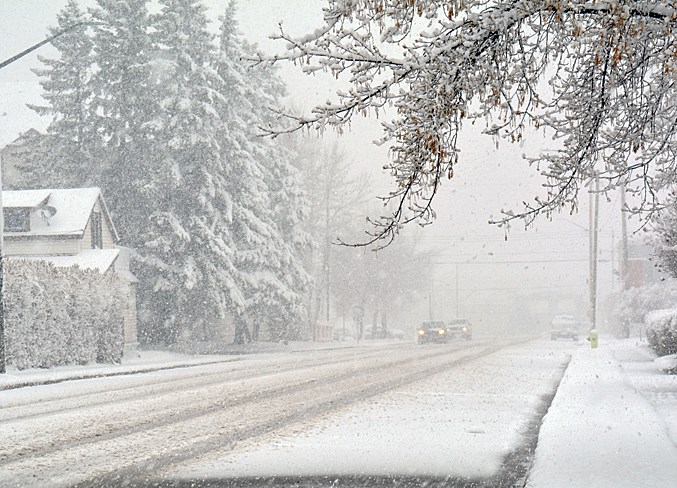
(665, 244)
(634, 303)
(58, 316)
(661, 330)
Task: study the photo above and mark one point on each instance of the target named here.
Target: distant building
(69, 227)
(641, 269)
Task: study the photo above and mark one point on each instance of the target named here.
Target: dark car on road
(564, 327)
(432, 332)
(459, 329)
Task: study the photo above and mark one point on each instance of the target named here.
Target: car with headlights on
(459, 329)
(432, 332)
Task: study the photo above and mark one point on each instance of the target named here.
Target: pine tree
(187, 258)
(122, 108)
(268, 207)
(212, 210)
(65, 156)
(290, 208)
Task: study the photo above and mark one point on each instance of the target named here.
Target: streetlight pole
(6, 62)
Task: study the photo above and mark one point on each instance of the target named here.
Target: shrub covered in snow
(635, 303)
(661, 329)
(58, 316)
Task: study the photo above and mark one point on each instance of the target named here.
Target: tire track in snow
(51, 434)
(151, 385)
(131, 452)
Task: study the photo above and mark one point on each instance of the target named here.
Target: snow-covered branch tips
(598, 77)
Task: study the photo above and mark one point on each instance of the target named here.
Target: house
(69, 227)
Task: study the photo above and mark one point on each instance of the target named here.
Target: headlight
(421, 332)
(465, 329)
(441, 331)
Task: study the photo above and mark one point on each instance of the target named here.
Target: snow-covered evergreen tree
(268, 207)
(190, 282)
(67, 152)
(122, 105)
(211, 209)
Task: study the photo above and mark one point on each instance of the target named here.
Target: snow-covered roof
(25, 198)
(99, 259)
(73, 209)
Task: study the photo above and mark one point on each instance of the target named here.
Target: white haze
(495, 276)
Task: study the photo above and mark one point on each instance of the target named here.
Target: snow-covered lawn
(461, 422)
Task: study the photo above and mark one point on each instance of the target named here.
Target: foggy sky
(487, 179)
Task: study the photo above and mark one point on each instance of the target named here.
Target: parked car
(459, 329)
(564, 327)
(432, 332)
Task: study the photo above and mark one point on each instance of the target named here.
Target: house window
(17, 219)
(97, 233)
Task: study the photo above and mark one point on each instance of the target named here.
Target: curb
(86, 376)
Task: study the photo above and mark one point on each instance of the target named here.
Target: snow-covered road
(473, 424)
(98, 431)
(397, 414)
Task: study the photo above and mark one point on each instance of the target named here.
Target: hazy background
(500, 284)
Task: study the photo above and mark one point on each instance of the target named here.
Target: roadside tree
(665, 244)
(597, 76)
(63, 160)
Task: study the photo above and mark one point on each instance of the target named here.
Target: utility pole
(594, 216)
(431, 291)
(458, 313)
(613, 259)
(624, 238)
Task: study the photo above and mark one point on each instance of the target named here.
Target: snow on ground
(136, 361)
(603, 429)
(645, 374)
(461, 422)
(140, 361)
(612, 423)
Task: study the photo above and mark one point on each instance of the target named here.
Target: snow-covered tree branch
(598, 76)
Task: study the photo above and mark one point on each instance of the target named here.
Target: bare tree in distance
(599, 76)
(337, 197)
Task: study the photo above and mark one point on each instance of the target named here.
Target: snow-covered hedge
(58, 316)
(661, 330)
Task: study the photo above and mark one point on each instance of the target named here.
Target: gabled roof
(73, 209)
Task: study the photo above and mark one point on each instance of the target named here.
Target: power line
(530, 261)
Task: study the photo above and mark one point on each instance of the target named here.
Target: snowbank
(667, 364)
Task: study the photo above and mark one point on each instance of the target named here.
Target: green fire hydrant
(593, 338)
